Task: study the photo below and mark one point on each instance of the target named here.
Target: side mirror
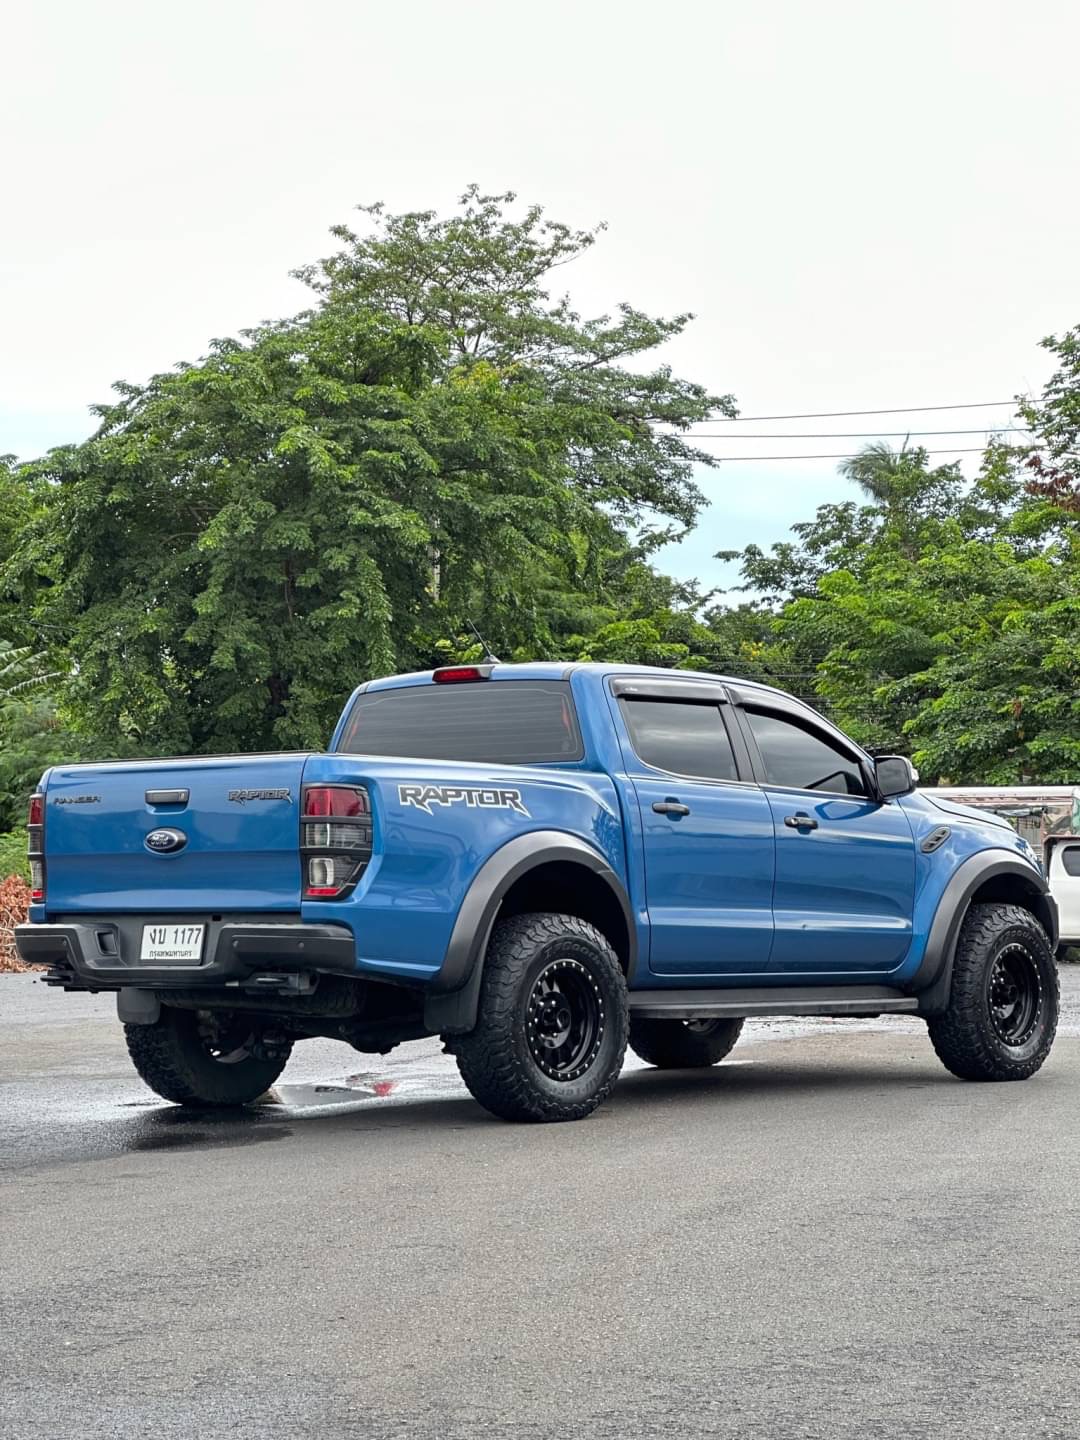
(895, 775)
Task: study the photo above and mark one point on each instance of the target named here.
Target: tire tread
(489, 1057)
(960, 1036)
(669, 1045)
(168, 1060)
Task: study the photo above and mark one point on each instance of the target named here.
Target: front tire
(1003, 1006)
(682, 1044)
(551, 1030)
(202, 1058)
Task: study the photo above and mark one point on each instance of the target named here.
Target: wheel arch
(989, 876)
(548, 866)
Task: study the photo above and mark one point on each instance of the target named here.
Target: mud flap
(137, 1007)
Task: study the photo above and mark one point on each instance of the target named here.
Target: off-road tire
(498, 1060)
(681, 1044)
(968, 1037)
(172, 1057)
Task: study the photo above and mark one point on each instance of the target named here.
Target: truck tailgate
(237, 820)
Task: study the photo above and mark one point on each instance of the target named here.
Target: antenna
(489, 658)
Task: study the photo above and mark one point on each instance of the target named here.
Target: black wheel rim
(564, 1020)
(701, 1027)
(1015, 996)
(226, 1040)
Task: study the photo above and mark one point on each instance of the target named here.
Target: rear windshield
(494, 722)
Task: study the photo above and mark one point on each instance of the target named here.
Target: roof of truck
(562, 670)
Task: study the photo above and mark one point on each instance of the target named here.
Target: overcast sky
(864, 204)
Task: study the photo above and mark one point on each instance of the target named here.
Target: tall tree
(883, 609)
(333, 496)
(1053, 461)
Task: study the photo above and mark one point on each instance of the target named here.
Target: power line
(835, 414)
(732, 459)
(857, 434)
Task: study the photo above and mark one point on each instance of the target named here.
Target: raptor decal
(486, 797)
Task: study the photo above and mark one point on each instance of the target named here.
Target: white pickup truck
(1048, 817)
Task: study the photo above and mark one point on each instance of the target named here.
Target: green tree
(1052, 463)
(335, 495)
(933, 620)
(22, 671)
(33, 736)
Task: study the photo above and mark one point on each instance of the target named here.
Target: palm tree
(879, 471)
(22, 670)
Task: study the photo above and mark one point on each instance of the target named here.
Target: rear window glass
(495, 722)
(684, 737)
(1071, 859)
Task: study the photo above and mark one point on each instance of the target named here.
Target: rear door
(706, 831)
(236, 820)
(845, 863)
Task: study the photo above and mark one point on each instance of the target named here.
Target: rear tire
(683, 1044)
(201, 1058)
(551, 1031)
(1003, 1007)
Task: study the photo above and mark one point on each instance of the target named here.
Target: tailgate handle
(167, 797)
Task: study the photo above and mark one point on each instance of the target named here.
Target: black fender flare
(932, 981)
(451, 1000)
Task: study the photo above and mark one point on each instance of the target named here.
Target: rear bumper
(103, 955)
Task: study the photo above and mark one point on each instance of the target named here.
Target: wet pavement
(827, 1236)
(68, 1091)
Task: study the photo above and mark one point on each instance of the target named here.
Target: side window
(1070, 859)
(803, 759)
(683, 736)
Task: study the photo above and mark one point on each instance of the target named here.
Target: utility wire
(857, 434)
(732, 459)
(834, 414)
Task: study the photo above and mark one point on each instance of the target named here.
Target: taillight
(335, 800)
(456, 674)
(35, 846)
(335, 839)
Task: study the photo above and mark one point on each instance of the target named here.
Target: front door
(707, 836)
(845, 862)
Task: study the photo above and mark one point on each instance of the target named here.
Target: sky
(864, 205)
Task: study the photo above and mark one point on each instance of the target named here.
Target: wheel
(682, 1044)
(551, 1031)
(199, 1057)
(1003, 1008)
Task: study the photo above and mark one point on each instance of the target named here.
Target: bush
(13, 854)
(14, 908)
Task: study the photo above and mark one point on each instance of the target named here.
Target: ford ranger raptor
(540, 863)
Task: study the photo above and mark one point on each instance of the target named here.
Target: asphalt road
(827, 1236)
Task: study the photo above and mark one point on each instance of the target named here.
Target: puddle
(171, 1128)
(315, 1094)
(196, 1137)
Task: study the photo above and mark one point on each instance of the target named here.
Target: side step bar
(837, 1000)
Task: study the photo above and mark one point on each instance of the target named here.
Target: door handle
(800, 821)
(671, 807)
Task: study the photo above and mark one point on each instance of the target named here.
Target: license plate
(170, 943)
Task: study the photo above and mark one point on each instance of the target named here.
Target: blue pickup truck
(540, 864)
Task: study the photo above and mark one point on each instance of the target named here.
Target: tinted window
(803, 759)
(495, 722)
(681, 736)
(1071, 859)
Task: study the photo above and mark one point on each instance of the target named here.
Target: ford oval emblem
(163, 842)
